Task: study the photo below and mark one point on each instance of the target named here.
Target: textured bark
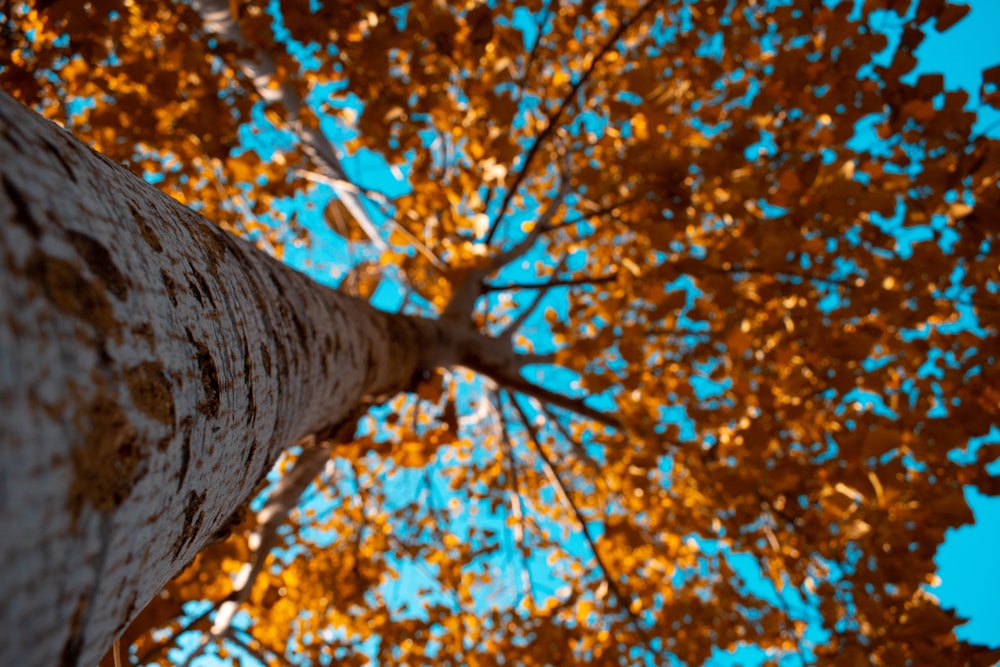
(152, 368)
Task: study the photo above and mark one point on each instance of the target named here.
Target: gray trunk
(152, 368)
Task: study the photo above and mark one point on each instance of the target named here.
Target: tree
(723, 280)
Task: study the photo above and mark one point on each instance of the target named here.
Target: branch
(335, 182)
(624, 598)
(576, 405)
(529, 358)
(515, 504)
(379, 199)
(581, 451)
(849, 283)
(543, 224)
(600, 212)
(553, 120)
(539, 25)
(784, 275)
(507, 334)
(260, 68)
(158, 648)
(782, 603)
(468, 291)
(244, 645)
(563, 282)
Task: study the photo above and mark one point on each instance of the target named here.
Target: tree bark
(152, 369)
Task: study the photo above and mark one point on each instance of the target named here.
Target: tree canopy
(750, 264)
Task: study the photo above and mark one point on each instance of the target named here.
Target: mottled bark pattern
(152, 368)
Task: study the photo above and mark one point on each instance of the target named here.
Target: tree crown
(748, 265)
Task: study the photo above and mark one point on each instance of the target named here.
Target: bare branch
(543, 223)
(468, 291)
(577, 446)
(262, 72)
(577, 405)
(159, 648)
(781, 602)
(508, 333)
(257, 654)
(564, 282)
(514, 496)
(624, 598)
(581, 451)
(528, 358)
(419, 245)
(530, 60)
(334, 182)
(465, 294)
(553, 120)
(598, 212)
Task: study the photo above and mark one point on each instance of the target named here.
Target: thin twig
(562, 282)
(833, 282)
(262, 72)
(530, 60)
(543, 223)
(553, 120)
(598, 213)
(508, 333)
(581, 451)
(518, 384)
(468, 291)
(514, 495)
(624, 598)
(235, 635)
(158, 648)
(419, 245)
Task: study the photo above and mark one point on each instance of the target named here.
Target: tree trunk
(152, 368)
